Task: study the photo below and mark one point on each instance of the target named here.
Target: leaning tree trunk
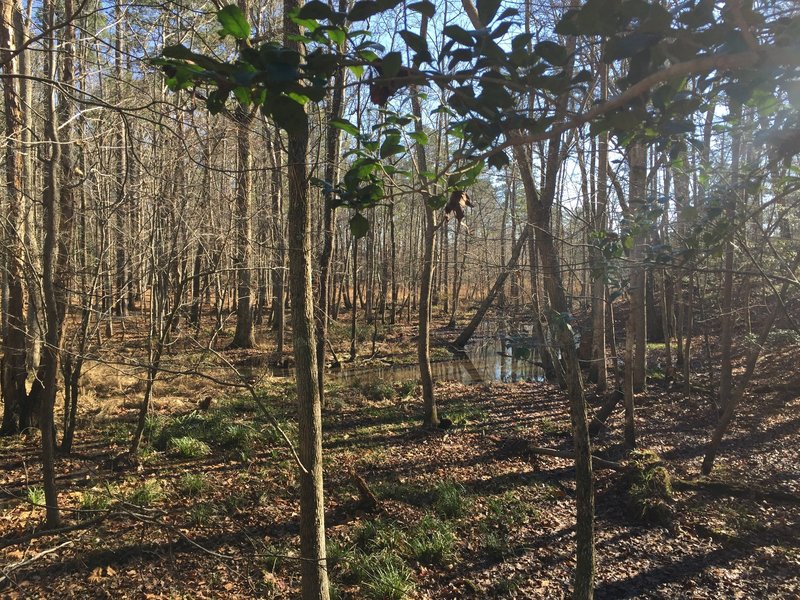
(468, 331)
(729, 409)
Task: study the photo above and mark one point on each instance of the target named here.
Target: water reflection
(505, 358)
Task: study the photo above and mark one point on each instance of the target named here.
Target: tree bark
(14, 368)
(332, 144)
(313, 569)
(598, 370)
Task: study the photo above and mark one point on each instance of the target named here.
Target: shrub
(378, 390)
(648, 489)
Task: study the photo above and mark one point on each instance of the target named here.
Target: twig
(273, 421)
(5, 543)
(23, 563)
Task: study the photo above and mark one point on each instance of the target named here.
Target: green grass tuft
(188, 447)
(36, 497)
(192, 484)
(448, 499)
(432, 542)
(94, 501)
(201, 514)
(148, 493)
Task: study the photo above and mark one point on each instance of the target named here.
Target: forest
(382, 299)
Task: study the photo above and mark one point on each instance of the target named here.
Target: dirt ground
(468, 512)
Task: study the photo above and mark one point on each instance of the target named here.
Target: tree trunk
(598, 370)
(431, 416)
(332, 143)
(726, 303)
(637, 157)
(14, 368)
(244, 336)
(313, 568)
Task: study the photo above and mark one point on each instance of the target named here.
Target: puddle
(506, 359)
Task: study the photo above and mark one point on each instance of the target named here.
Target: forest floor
(212, 510)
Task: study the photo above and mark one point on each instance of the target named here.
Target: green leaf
(391, 64)
(363, 10)
(390, 147)
(630, 45)
(242, 95)
(555, 54)
(177, 51)
(315, 10)
(357, 70)
(437, 201)
(425, 8)
(288, 114)
(458, 34)
(419, 136)
(487, 9)
(234, 22)
(337, 36)
(345, 126)
(415, 41)
(359, 225)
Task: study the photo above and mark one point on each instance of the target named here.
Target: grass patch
(118, 433)
(448, 499)
(238, 438)
(377, 390)
(192, 484)
(549, 427)
(35, 496)
(406, 388)
(236, 501)
(504, 515)
(432, 542)
(201, 514)
(92, 502)
(146, 494)
(379, 535)
(401, 492)
(188, 447)
(387, 578)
